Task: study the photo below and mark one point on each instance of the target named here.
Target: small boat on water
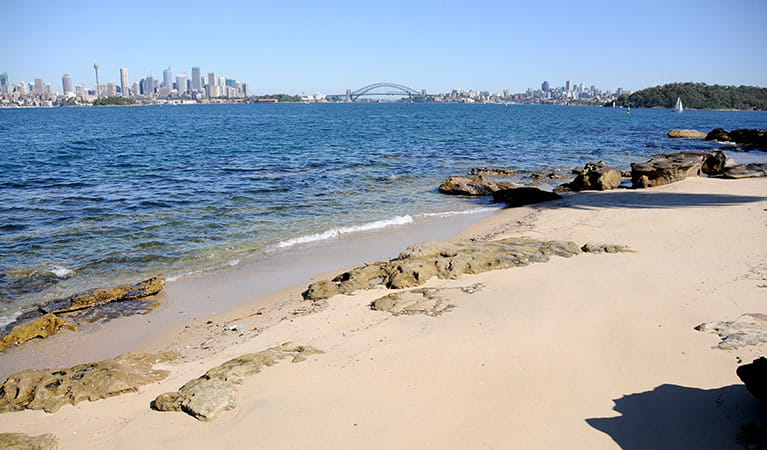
(678, 107)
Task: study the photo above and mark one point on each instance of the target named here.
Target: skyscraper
(181, 83)
(212, 88)
(39, 86)
(196, 84)
(167, 78)
(4, 87)
(66, 83)
(568, 86)
(124, 85)
(545, 86)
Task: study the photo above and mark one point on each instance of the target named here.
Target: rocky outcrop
(668, 168)
(538, 176)
(754, 376)
(419, 301)
(748, 329)
(49, 389)
(686, 134)
(214, 392)
(595, 176)
(22, 441)
(746, 137)
(752, 170)
(445, 260)
(102, 296)
(476, 186)
(492, 172)
(41, 327)
(524, 196)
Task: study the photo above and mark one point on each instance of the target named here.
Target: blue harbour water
(96, 196)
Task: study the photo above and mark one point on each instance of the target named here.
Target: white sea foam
(463, 212)
(335, 232)
(61, 271)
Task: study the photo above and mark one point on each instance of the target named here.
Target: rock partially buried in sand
(686, 134)
(22, 441)
(752, 170)
(748, 329)
(595, 176)
(475, 186)
(754, 376)
(425, 301)
(420, 262)
(41, 327)
(668, 168)
(49, 389)
(102, 296)
(206, 397)
(523, 196)
(605, 248)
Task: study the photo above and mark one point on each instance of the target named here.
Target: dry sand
(594, 351)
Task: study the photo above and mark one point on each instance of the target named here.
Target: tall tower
(196, 85)
(167, 78)
(124, 84)
(212, 88)
(568, 85)
(4, 85)
(181, 83)
(545, 86)
(96, 68)
(66, 83)
(39, 86)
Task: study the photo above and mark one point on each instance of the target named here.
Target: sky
(303, 47)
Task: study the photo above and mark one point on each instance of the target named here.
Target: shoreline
(583, 345)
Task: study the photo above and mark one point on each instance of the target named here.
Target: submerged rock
(476, 186)
(22, 441)
(754, 376)
(524, 196)
(686, 134)
(595, 176)
(752, 170)
(492, 172)
(41, 327)
(746, 137)
(49, 389)
(102, 296)
(748, 329)
(446, 260)
(214, 392)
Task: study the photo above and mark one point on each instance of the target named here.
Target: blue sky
(309, 46)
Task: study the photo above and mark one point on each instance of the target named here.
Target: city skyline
(308, 47)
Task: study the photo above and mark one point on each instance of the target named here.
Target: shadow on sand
(679, 417)
(649, 200)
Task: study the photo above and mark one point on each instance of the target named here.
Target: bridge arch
(401, 88)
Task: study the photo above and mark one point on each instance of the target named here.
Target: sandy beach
(591, 351)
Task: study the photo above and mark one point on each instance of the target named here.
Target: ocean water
(98, 196)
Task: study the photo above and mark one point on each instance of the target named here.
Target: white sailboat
(678, 107)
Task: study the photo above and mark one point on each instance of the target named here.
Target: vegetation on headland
(697, 96)
(282, 98)
(114, 101)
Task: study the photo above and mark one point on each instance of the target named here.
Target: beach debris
(686, 134)
(446, 260)
(590, 247)
(207, 342)
(23, 441)
(475, 185)
(752, 170)
(492, 172)
(665, 168)
(206, 397)
(595, 176)
(41, 327)
(49, 389)
(523, 196)
(754, 376)
(474, 288)
(257, 313)
(749, 138)
(748, 329)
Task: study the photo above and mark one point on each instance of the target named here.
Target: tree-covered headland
(697, 96)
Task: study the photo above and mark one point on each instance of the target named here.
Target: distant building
(569, 86)
(196, 82)
(181, 83)
(39, 88)
(80, 90)
(66, 84)
(136, 89)
(167, 78)
(231, 83)
(244, 89)
(212, 88)
(545, 86)
(111, 89)
(124, 84)
(4, 84)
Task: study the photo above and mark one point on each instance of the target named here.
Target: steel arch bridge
(399, 89)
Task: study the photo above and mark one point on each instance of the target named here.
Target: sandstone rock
(476, 185)
(747, 137)
(748, 329)
(666, 168)
(752, 170)
(214, 392)
(415, 301)
(754, 376)
(492, 172)
(595, 177)
(49, 389)
(686, 134)
(537, 176)
(41, 327)
(445, 260)
(714, 162)
(21, 441)
(718, 134)
(101, 296)
(523, 196)
(605, 248)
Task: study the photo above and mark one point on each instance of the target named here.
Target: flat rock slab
(747, 137)
(687, 134)
(426, 301)
(22, 441)
(102, 296)
(475, 186)
(748, 329)
(41, 327)
(49, 389)
(753, 170)
(206, 397)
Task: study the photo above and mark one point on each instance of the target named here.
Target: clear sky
(309, 46)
